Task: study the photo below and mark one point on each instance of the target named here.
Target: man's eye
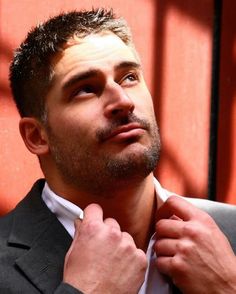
(84, 91)
(129, 79)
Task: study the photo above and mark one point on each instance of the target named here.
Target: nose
(117, 102)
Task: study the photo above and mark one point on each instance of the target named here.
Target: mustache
(103, 133)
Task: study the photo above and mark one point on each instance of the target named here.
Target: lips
(126, 131)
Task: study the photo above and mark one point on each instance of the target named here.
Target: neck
(133, 205)
(134, 208)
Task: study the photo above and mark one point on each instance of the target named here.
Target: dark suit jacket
(33, 244)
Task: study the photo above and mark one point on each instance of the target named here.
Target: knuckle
(128, 244)
(178, 266)
(159, 225)
(171, 201)
(141, 256)
(185, 248)
(198, 230)
(129, 248)
(111, 222)
(92, 227)
(208, 221)
(126, 236)
(191, 230)
(114, 233)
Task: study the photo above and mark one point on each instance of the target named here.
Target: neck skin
(133, 205)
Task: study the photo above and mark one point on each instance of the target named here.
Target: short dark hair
(31, 71)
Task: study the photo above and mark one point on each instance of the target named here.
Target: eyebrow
(91, 73)
(80, 77)
(127, 64)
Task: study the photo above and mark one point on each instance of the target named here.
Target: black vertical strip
(212, 171)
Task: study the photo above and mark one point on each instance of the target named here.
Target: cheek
(144, 103)
(66, 129)
(73, 119)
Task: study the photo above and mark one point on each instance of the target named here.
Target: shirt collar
(67, 212)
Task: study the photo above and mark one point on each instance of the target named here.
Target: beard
(83, 167)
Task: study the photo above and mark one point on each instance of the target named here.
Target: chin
(137, 161)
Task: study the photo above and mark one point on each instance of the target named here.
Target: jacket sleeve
(64, 288)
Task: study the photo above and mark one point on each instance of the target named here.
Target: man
(88, 116)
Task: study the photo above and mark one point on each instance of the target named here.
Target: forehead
(102, 51)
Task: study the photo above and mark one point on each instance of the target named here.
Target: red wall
(184, 56)
(174, 39)
(226, 170)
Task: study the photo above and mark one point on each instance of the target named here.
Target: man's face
(101, 125)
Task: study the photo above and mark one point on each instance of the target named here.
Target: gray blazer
(33, 244)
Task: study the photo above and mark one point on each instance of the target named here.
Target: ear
(34, 135)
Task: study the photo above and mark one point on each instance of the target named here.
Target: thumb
(77, 224)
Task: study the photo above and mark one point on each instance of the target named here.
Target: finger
(179, 207)
(164, 265)
(111, 222)
(175, 217)
(126, 236)
(169, 228)
(165, 247)
(93, 212)
(77, 224)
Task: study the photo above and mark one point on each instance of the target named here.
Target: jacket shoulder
(6, 221)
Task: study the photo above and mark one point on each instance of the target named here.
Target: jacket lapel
(44, 240)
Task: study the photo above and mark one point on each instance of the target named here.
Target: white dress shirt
(67, 212)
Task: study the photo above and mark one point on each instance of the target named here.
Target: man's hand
(102, 259)
(192, 250)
